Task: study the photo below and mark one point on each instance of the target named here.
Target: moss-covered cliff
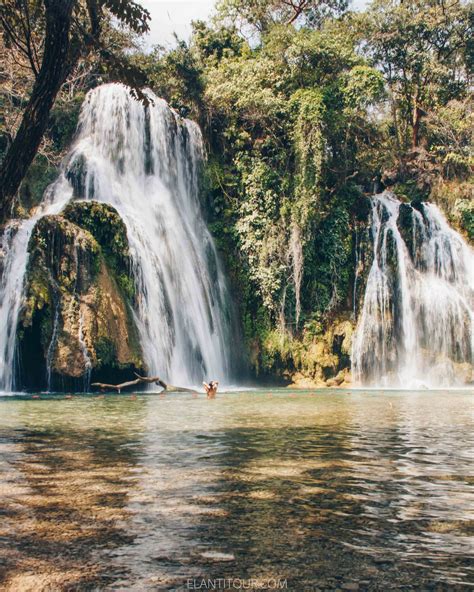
(317, 356)
(77, 322)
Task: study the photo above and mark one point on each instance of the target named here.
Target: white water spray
(85, 353)
(416, 327)
(145, 163)
(51, 350)
(14, 257)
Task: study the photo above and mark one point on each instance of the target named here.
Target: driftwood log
(169, 388)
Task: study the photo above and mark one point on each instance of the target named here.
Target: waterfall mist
(144, 161)
(416, 326)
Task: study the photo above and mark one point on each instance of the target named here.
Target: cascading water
(14, 256)
(416, 326)
(85, 353)
(145, 162)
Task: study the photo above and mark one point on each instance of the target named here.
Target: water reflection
(326, 490)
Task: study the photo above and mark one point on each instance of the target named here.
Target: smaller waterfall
(14, 255)
(357, 272)
(85, 353)
(416, 327)
(52, 348)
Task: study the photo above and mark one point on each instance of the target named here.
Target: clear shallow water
(323, 489)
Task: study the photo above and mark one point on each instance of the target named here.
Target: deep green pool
(324, 489)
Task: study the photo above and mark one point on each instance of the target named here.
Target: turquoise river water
(267, 489)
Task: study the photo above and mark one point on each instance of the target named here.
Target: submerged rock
(77, 320)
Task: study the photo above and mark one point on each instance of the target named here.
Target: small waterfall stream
(416, 326)
(14, 256)
(51, 349)
(85, 353)
(144, 162)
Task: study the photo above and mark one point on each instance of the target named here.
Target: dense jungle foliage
(306, 108)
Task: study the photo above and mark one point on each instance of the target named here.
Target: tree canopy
(49, 38)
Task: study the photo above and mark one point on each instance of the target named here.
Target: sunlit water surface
(328, 490)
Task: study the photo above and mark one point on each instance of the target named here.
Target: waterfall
(14, 258)
(85, 353)
(145, 162)
(51, 349)
(416, 326)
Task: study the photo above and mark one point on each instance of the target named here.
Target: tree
(421, 47)
(261, 15)
(175, 76)
(51, 36)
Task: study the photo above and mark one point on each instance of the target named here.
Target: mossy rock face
(109, 230)
(405, 217)
(77, 319)
(77, 175)
(39, 175)
(411, 190)
(456, 199)
(362, 208)
(405, 224)
(464, 210)
(71, 254)
(309, 359)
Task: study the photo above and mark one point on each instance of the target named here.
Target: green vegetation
(300, 123)
(108, 229)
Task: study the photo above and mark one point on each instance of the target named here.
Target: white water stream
(145, 163)
(416, 326)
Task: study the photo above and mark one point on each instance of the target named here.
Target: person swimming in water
(211, 388)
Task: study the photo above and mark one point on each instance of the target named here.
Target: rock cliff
(77, 322)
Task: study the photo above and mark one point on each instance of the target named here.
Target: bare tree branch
(142, 380)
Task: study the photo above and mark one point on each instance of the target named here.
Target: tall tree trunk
(54, 70)
(417, 113)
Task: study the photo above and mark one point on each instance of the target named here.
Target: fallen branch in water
(142, 379)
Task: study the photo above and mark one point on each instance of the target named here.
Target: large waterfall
(416, 326)
(144, 161)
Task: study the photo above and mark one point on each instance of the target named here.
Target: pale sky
(168, 16)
